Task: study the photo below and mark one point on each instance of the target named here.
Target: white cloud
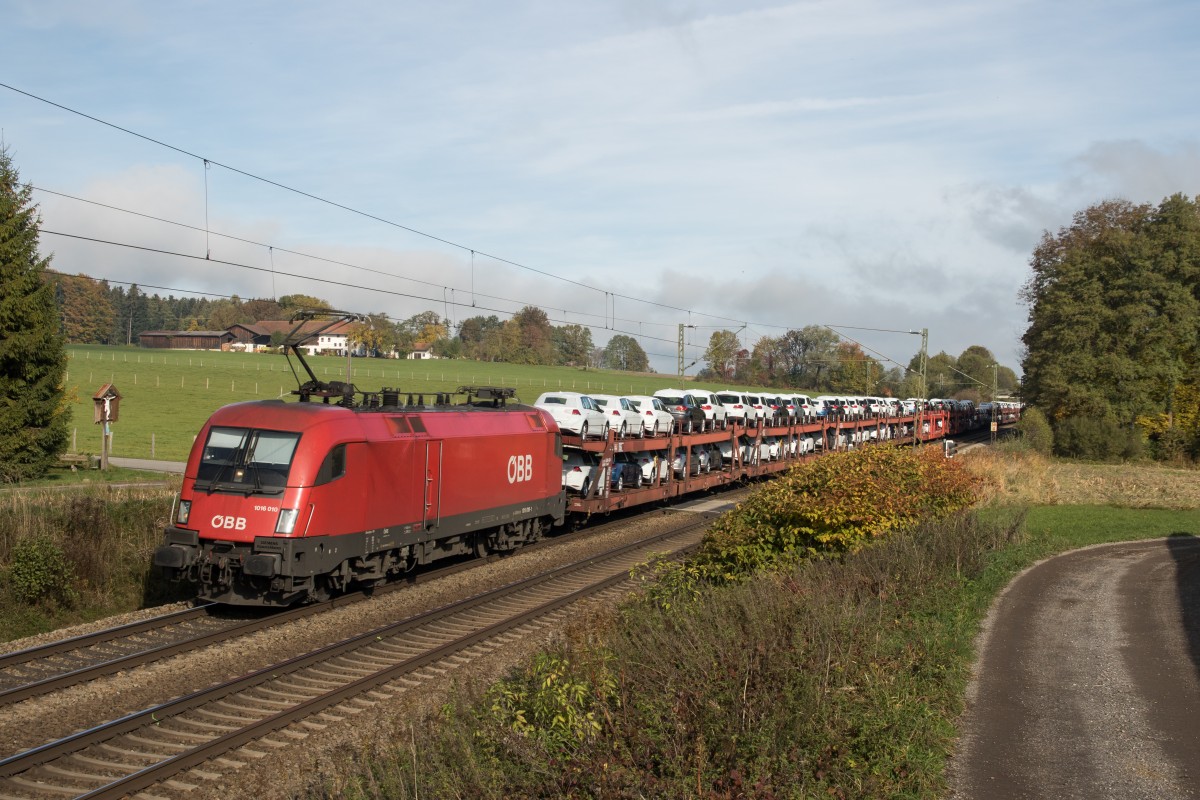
(782, 163)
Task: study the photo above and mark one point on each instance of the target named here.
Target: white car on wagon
(736, 405)
(623, 416)
(715, 414)
(579, 471)
(576, 413)
(654, 415)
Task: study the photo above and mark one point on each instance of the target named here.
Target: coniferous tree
(33, 415)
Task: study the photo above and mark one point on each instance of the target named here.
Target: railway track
(51, 667)
(57, 665)
(189, 741)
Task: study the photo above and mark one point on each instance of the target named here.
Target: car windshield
(246, 460)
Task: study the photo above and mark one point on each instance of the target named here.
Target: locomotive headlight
(287, 520)
(185, 511)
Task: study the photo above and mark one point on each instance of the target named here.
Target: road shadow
(1185, 549)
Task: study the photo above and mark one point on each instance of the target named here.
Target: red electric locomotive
(287, 501)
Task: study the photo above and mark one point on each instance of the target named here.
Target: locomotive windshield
(246, 460)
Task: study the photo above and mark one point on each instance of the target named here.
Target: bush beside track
(76, 554)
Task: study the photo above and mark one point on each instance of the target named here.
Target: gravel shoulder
(1088, 681)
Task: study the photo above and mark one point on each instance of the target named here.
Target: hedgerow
(834, 504)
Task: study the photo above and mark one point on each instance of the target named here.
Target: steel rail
(101, 637)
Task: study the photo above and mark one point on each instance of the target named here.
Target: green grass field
(167, 395)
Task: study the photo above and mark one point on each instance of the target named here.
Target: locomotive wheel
(321, 592)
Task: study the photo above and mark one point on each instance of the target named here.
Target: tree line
(815, 358)
(1113, 343)
(94, 312)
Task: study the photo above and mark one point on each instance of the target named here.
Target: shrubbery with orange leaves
(836, 504)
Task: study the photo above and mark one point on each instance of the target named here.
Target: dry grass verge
(1026, 478)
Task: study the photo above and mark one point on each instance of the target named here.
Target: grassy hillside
(167, 395)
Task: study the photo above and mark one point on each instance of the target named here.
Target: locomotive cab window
(333, 467)
(246, 460)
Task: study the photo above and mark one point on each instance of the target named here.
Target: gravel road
(1088, 682)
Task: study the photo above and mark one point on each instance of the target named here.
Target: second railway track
(188, 741)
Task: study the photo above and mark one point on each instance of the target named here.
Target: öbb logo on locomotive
(520, 468)
(229, 523)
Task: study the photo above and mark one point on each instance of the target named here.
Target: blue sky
(849, 162)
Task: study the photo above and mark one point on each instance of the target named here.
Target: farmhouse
(248, 336)
(184, 340)
(421, 351)
(333, 340)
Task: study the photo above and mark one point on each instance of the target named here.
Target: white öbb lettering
(520, 468)
(229, 523)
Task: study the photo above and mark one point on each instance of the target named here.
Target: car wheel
(583, 431)
(620, 483)
(638, 482)
(621, 434)
(604, 435)
(587, 484)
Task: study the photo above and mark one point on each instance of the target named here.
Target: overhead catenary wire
(160, 288)
(349, 209)
(271, 248)
(330, 281)
(207, 162)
